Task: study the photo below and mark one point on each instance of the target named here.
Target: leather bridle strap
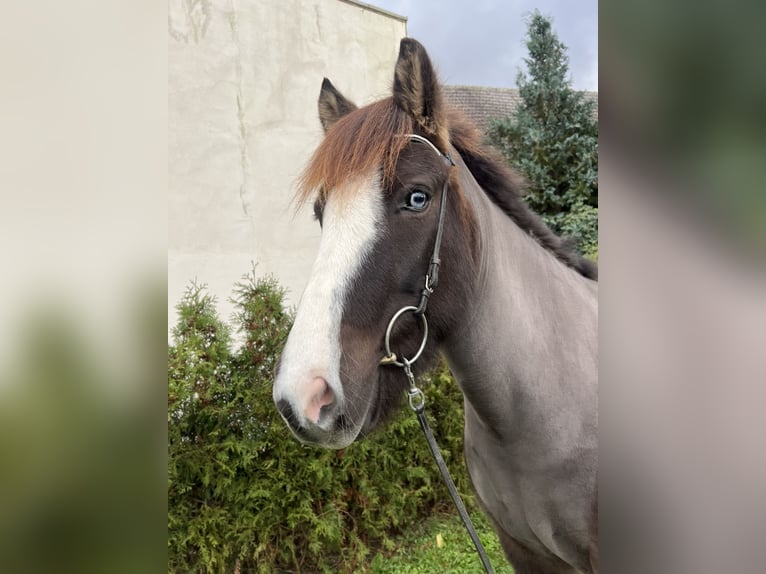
(415, 396)
(432, 275)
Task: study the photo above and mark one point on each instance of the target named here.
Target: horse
(515, 313)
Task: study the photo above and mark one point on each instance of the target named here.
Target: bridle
(431, 276)
(415, 396)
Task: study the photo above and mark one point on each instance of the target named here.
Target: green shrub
(552, 138)
(243, 494)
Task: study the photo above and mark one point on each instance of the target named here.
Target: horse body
(525, 358)
(515, 314)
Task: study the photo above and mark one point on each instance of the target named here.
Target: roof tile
(483, 104)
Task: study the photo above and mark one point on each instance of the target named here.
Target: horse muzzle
(322, 422)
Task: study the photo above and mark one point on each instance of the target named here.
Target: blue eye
(417, 200)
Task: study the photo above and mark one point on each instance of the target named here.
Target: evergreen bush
(243, 494)
(552, 138)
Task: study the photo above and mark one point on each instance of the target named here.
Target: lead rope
(417, 402)
(415, 396)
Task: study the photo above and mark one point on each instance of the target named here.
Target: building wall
(243, 81)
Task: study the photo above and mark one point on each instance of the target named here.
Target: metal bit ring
(391, 358)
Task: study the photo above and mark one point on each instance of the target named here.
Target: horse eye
(417, 200)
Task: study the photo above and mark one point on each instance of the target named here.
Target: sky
(482, 42)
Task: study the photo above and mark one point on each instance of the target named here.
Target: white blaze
(313, 346)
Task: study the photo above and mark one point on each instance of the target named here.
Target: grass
(419, 551)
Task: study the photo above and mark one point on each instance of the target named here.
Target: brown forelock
(365, 140)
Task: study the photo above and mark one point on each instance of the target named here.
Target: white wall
(243, 82)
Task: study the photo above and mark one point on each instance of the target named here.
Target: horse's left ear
(332, 105)
(417, 91)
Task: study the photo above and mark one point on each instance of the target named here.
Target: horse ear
(417, 91)
(332, 105)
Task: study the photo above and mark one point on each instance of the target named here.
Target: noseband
(415, 396)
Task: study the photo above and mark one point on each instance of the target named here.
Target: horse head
(377, 193)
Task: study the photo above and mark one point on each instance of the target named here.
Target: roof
(483, 104)
(381, 11)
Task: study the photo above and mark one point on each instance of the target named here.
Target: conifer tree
(552, 138)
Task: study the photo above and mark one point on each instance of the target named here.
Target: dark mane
(505, 187)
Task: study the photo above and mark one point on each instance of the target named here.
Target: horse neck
(530, 318)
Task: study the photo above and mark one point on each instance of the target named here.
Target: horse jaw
(313, 348)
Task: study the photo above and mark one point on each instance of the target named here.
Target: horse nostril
(320, 395)
(286, 410)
